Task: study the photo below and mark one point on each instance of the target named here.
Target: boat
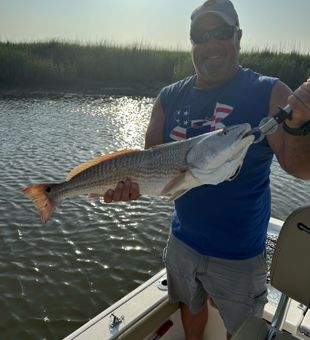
(145, 313)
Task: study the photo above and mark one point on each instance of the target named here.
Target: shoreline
(63, 92)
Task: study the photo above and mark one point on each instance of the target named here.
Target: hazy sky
(275, 24)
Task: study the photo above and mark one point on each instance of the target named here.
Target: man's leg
(238, 288)
(183, 264)
(194, 324)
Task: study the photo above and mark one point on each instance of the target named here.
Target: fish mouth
(248, 132)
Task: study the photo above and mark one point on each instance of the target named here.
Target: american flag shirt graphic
(185, 125)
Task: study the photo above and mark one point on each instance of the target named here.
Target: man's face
(215, 61)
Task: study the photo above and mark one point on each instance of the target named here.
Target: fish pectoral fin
(179, 185)
(176, 184)
(177, 194)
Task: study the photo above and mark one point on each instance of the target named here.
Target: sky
(274, 24)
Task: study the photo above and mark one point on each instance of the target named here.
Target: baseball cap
(223, 8)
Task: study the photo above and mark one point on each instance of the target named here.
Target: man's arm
(127, 190)
(292, 152)
(155, 131)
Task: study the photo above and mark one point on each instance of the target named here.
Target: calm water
(55, 277)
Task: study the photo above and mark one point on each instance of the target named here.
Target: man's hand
(124, 191)
(299, 102)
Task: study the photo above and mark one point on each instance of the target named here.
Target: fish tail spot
(39, 194)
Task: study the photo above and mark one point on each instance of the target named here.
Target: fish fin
(177, 194)
(174, 185)
(38, 193)
(97, 160)
(179, 185)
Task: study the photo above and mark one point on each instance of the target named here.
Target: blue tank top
(228, 220)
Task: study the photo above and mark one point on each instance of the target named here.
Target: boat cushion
(290, 272)
(290, 269)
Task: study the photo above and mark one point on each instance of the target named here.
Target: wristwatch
(301, 131)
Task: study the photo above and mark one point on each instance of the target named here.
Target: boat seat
(289, 273)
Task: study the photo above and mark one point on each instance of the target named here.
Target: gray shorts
(237, 287)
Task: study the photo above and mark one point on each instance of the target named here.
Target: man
(216, 246)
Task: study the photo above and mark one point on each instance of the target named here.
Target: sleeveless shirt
(228, 220)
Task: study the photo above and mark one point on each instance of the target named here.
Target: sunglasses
(220, 33)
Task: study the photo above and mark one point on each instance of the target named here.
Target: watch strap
(301, 131)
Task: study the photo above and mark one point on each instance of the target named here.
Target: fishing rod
(269, 125)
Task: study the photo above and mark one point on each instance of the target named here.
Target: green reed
(292, 68)
(111, 68)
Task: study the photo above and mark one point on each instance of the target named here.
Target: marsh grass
(292, 68)
(111, 68)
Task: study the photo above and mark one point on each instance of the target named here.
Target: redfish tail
(39, 194)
